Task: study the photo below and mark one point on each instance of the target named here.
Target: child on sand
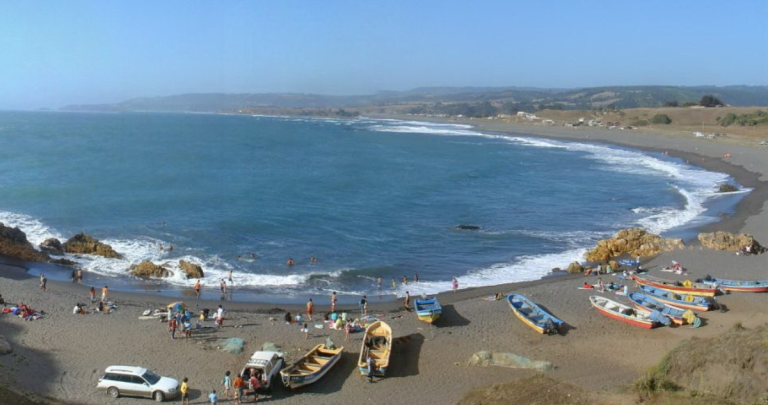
(227, 384)
(214, 399)
(93, 295)
(455, 284)
(305, 330)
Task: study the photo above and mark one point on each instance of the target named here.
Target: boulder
(64, 262)
(726, 188)
(575, 268)
(82, 243)
(632, 241)
(5, 347)
(468, 227)
(148, 269)
(731, 242)
(191, 270)
(14, 243)
(52, 246)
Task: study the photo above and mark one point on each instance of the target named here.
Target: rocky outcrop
(191, 270)
(63, 261)
(726, 188)
(14, 243)
(632, 241)
(575, 267)
(82, 243)
(52, 246)
(730, 242)
(148, 269)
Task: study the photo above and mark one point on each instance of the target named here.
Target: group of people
(77, 276)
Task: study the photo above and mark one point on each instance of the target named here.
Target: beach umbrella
(177, 306)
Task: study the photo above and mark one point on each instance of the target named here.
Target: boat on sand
(686, 287)
(737, 285)
(377, 343)
(691, 302)
(310, 368)
(624, 313)
(646, 303)
(428, 309)
(532, 315)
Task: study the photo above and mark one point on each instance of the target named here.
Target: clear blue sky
(64, 52)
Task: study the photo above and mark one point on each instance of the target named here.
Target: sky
(81, 52)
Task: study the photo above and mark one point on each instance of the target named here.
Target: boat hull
(428, 310)
(641, 321)
(698, 290)
(695, 304)
(296, 376)
(532, 315)
(377, 343)
(738, 285)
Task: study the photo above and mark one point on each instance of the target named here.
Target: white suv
(137, 381)
(267, 365)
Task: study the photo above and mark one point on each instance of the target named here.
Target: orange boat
(679, 287)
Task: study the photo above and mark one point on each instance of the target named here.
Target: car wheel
(159, 397)
(113, 392)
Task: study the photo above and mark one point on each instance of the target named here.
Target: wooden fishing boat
(737, 285)
(691, 302)
(679, 316)
(624, 313)
(310, 368)
(428, 310)
(532, 315)
(378, 343)
(680, 287)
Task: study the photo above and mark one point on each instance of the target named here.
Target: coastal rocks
(730, 242)
(63, 261)
(13, 243)
(467, 227)
(82, 243)
(488, 358)
(575, 268)
(632, 241)
(148, 269)
(726, 188)
(191, 270)
(5, 347)
(52, 246)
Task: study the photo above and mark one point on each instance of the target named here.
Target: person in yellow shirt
(184, 391)
(104, 292)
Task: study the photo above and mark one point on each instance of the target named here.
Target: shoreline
(748, 206)
(428, 362)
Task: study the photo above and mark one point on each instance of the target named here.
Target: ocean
(368, 198)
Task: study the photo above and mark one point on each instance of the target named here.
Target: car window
(137, 380)
(125, 378)
(151, 377)
(111, 377)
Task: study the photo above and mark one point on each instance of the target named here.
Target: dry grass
(683, 119)
(535, 390)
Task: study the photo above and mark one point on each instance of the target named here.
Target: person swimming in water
(289, 262)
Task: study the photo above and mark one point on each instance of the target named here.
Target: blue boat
(737, 285)
(679, 316)
(691, 302)
(428, 310)
(533, 316)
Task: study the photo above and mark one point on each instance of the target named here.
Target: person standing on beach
(43, 281)
(238, 385)
(637, 263)
(333, 302)
(213, 397)
(172, 327)
(407, 301)
(227, 384)
(364, 306)
(79, 276)
(230, 277)
(405, 280)
(310, 309)
(369, 362)
(305, 331)
(347, 329)
(220, 317)
(184, 389)
(378, 283)
(104, 292)
(74, 276)
(394, 284)
(197, 288)
(455, 284)
(92, 293)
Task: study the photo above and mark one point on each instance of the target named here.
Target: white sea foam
(524, 268)
(424, 129)
(36, 231)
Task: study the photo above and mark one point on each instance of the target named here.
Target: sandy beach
(65, 354)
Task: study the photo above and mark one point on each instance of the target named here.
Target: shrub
(661, 119)
(639, 123)
(710, 101)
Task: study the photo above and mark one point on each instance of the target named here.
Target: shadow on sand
(450, 317)
(406, 350)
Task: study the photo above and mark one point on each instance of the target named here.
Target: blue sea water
(366, 197)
